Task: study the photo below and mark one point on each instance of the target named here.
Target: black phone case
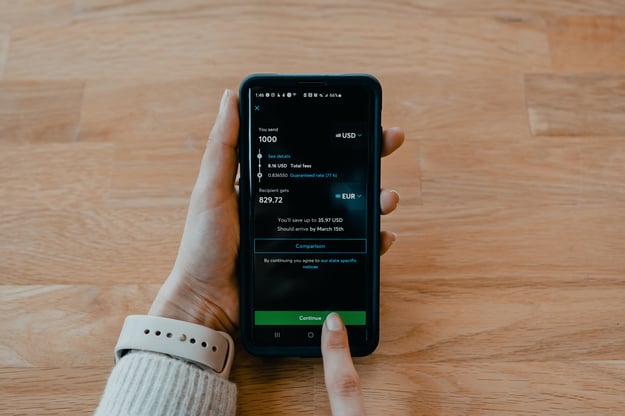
(246, 289)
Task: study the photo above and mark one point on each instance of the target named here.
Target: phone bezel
(245, 255)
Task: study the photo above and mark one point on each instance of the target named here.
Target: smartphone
(309, 150)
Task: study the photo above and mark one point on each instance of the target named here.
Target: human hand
(203, 287)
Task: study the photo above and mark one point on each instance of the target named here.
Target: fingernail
(394, 236)
(333, 322)
(396, 193)
(224, 99)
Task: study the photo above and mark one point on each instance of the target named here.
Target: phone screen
(311, 188)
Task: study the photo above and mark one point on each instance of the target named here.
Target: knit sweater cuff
(144, 383)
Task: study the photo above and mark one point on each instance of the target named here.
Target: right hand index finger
(342, 380)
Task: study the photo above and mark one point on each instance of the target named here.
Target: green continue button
(307, 317)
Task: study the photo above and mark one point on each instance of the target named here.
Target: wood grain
(503, 293)
(23, 12)
(5, 40)
(40, 111)
(539, 322)
(73, 326)
(525, 245)
(165, 111)
(576, 105)
(89, 246)
(156, 175)
(455, 106)
(105, 10)
(493, 388)
(533, 171)
(54, 176)
(117, 49)
(289, 386)
(55, 391)
(587, 43)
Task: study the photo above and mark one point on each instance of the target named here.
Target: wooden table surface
(505, 292)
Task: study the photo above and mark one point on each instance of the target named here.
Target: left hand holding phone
(202, 286)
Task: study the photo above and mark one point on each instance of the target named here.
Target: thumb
(219, 163)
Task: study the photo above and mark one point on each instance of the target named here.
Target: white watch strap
(205, 347)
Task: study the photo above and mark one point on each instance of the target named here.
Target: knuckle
(346, 384)
(336, 343)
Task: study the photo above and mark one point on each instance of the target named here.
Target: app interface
(310, 178)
